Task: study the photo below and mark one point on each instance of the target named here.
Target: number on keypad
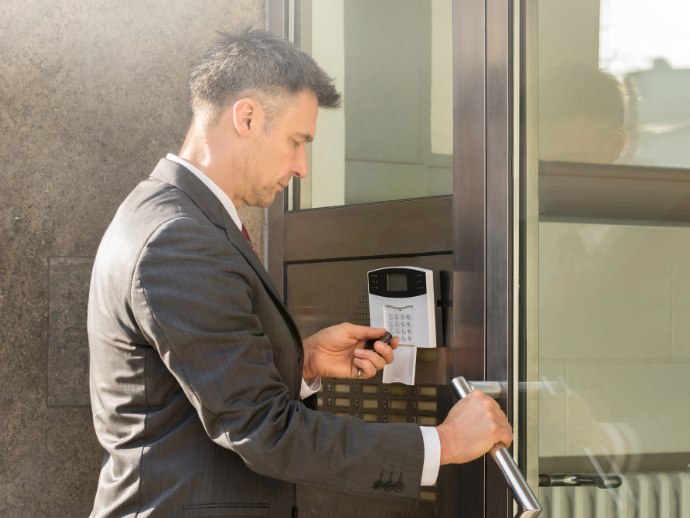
(399, 323)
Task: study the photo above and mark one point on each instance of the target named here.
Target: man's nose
(301, 167)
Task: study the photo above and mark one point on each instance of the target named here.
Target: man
(197, 370)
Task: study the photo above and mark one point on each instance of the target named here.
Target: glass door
(379, 194)
(419, 169)
(606, 252)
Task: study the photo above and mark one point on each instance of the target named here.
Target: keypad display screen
(396, 282)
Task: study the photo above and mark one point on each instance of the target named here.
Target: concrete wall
(91, 96)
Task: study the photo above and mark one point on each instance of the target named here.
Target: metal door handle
(522, 493)
(580, 479)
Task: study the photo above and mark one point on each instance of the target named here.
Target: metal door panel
(320, 294)
(318, 256)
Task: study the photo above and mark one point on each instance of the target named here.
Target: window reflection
(583, 116)
(392, 59)
(614, 201)
(645, 44)
(614, 111)
(598, 51)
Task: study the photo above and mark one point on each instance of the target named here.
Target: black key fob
(386, 338)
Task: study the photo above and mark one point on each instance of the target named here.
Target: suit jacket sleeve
(200, 304)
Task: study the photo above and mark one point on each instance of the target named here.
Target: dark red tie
(249, 239)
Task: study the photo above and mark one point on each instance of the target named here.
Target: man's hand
(472, 427)
(338, 352)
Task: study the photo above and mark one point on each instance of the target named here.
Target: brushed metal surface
(499, 226)
(469, 229)
(472, 229)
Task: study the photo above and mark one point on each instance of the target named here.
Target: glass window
(392, 139)
(613, 255)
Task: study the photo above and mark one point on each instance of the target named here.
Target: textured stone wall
(91, 96)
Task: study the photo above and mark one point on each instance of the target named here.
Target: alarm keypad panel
(401, 299)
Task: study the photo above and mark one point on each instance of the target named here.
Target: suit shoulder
(155, 201)
(153, 210)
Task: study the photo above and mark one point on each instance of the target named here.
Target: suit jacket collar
(178, 176)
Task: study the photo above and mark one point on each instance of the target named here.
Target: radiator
(641, 495)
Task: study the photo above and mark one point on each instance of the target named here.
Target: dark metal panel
(499, 231)
(393, 228)
(469, 205)
(328, 292)
(400, 228)
(469, 208)
(320, 294)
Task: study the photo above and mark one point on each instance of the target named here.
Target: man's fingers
(385, 351)
(373, 361)
(363, 369)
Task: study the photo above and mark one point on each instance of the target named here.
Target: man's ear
(246, 113)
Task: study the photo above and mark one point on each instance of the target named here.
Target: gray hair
(255, 63)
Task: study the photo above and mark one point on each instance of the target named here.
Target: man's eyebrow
(306, 137)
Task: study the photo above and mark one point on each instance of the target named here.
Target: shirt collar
(219, 193)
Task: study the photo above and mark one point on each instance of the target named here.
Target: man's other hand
(472, 427)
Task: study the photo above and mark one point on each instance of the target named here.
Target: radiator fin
(642, 495)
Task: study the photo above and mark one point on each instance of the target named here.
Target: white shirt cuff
(309, 388)
(432, 455)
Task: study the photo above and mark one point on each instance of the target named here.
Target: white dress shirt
(432, 443)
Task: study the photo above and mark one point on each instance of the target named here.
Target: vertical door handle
(522, 493)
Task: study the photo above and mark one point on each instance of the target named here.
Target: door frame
(477, 223)
(483, 219)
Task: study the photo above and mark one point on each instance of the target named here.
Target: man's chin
(266, 202)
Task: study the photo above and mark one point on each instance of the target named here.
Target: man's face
(279, 152)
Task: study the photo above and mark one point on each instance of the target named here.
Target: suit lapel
(177, 175)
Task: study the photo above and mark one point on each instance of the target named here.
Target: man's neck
(204, 150)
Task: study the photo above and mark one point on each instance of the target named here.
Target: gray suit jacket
(196, 371)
